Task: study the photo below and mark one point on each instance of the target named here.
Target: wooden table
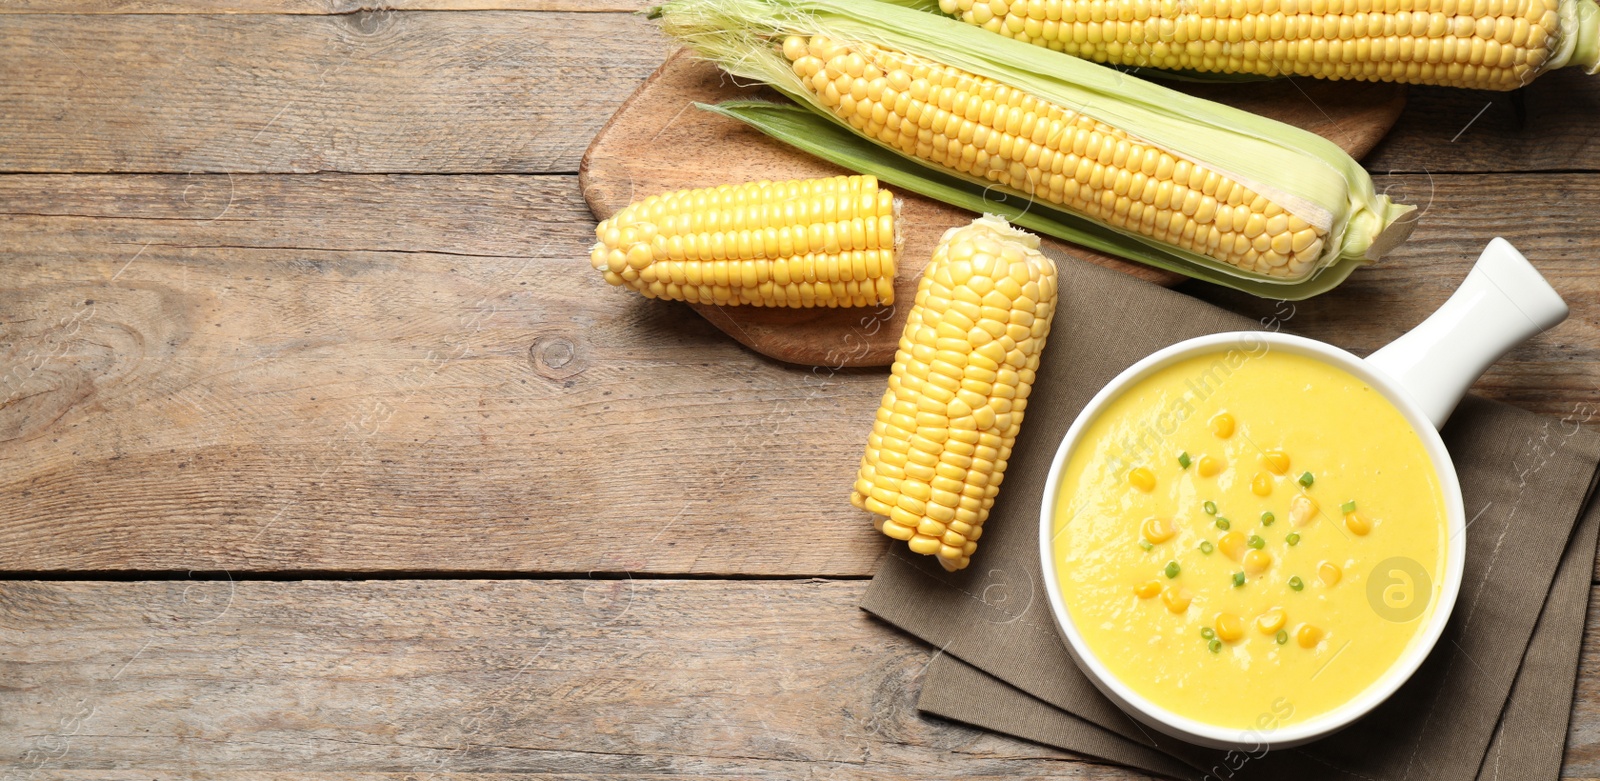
(323, 454)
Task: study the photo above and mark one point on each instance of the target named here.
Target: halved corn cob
(802, 243)
(960, 383)
(1201, 183)
(1484, 44)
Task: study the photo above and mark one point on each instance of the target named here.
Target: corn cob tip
(1398, 220)
(997, 227)
(1584, 26)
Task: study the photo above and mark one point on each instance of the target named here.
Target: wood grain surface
(312, 7)
(277, 373)
(498, 679)
(575, 679)
(297, 291)
(659, 142)
(1547, 126)
(385, 92)
(490, 92)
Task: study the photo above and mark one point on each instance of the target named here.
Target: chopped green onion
(1183, 460)
(1306, 479)
(1172, 569)
(1215, 646)
(1223, 524)
(1257, 543)
(1206, 547)
(1296, 583)
(1210, 507)
(1145, 544)
(1347, 507)
(1283, 636)
(1293, 538)
(1238, 579)
(1267, 518)
(1207, 633)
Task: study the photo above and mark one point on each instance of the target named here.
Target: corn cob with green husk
(1201, 182)
(1483, 44)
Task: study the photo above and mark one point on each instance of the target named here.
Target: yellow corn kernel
(1276, 462)
(1233, 545)
(1271, 621)
(1177, 598)
(1157, 530)
(1261, 484)
(801, 243)
(1142, 479)
(1257, 562)
(938, 448)
(1483, 45)
(1210, 466)
(1222, 425)
(1357, 523)
(1229, 627)
(1302, 510)
(1148, 589)
(1308, 636)
(1329, 573)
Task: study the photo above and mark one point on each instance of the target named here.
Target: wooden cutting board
(658, 142)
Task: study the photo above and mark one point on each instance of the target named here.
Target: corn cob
(1483, 44)
(803, 243)
(979, 127)
(960, 383)
(1200, 184)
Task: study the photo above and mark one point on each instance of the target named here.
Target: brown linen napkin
(1527, 744)
(1532, 734)
(1525, 479)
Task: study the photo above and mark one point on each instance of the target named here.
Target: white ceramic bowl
(1424, 373)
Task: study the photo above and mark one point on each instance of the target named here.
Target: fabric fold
(1526, 479)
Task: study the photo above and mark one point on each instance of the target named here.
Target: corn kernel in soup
(1259, 623)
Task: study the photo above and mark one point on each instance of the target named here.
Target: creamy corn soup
(1250, 540)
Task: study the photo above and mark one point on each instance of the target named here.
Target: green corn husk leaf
(829, 141)
(1300, 171)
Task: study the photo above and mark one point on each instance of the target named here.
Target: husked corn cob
(1484, 44)
(982, 128)
(960, 383)
(802, 243)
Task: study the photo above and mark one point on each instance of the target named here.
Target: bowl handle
(1502, 302)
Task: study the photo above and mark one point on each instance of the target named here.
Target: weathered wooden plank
(1546, 126)
(567, 679)
(485, 92)
(370, 373)
(425, 92)
(335, 366)
(88, 7)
